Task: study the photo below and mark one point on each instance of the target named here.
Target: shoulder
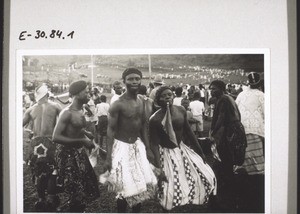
(116, 105)
(65, 113)
(155, 117)
(55, 105)
(180, 109)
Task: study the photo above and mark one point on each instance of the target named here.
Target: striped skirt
(190, 180)
(254, 157)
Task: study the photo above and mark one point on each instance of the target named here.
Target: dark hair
(103, 98)
(116, 83)
(185, 100)
(96, 90)
(178, 91)
(131, 71)
(196, 95)
(159, 91)
(142, 90)
(218, 83)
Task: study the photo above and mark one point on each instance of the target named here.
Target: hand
(88, 143)
(107, 164)
(204, 159)
(30, 135)
(150, 156)
(89, 135)
(162, 177)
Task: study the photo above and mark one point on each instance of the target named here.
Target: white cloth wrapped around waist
(131, 171)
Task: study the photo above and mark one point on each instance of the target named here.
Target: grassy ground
(106, 202)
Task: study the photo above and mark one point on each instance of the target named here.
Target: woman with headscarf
(184, 176)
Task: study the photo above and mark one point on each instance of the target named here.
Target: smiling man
(130, 170)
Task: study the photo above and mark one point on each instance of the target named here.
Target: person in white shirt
(178, 98)
(118, 89)
(197, 108)
(102, 114)
(251, 185)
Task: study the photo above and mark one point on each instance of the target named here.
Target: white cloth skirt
(131, 172)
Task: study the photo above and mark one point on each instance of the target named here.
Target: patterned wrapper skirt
(190, 180)
(76, 175)
(131, 172)
(254, 157)
(42, 157)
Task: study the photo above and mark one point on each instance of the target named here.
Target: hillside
(247, 62)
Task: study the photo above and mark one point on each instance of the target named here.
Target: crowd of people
(153, 143)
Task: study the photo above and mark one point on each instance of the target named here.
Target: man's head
(132, 78)
(142, 90)
(185, 102)
(103, 98)
(254, 80)
(158, 80)
(217, 88)
(94, 91)
(178, 91)
(117, 86)
(79, 90)
(41, 92)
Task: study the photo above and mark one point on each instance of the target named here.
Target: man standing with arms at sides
(226, 128)
(75, 171)
(118, 89)
(130, 171)
(197, 108)
(43, 116)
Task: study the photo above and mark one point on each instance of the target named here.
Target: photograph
(173, 131)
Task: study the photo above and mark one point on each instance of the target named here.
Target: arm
(87, 108)
(27, 117)
(145, 129)
(154, 142)
(220, 119)
(67, 102)
(193, 140)
(111, 132)
(154, 146)
(60, 138)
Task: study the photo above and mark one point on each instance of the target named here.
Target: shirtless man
(43, 116)
(75, 171)
(130, 170)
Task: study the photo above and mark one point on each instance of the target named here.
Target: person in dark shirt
(226, 119)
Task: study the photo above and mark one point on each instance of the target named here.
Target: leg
(121, 205)
(52, 198)
(40, 205)
(41, 186)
